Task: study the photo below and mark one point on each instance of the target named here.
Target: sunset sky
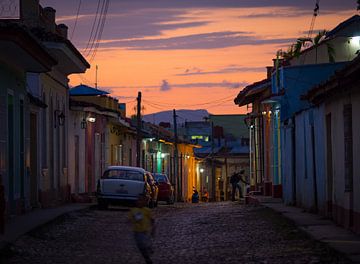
(186, 54)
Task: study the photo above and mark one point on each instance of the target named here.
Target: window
(348, 144)
(124, 175)
(161, 178)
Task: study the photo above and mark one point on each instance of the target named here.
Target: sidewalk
(22, 224)
(317, 227)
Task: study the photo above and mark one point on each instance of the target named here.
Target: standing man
(235, 183)
(234, 179)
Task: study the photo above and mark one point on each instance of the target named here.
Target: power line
(101, 31)
(93, 26)
(315, 14)
(76, 20)
(85, 81)
(97, 27)
(162, 104)
(159, 107)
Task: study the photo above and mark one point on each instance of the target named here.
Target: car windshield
(124, 174)
(161, 178)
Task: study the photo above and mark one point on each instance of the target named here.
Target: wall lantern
(201, 170)
(83, 124)
(163, 155)
(91, 119)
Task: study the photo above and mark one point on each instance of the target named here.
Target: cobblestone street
(186, 233)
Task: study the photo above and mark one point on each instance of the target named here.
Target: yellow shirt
(141, 219)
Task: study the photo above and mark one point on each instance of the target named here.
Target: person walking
(143, 227)
(235, 183)
(205, 195)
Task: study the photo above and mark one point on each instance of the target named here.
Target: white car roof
(126, 168)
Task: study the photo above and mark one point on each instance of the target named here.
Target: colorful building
(20, 111)
(338, 102)
(96, 133)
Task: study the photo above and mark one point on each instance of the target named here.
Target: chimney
(269, 70)
(63, 30)
(29, 12)
(49, 15)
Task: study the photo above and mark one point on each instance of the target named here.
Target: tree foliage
(303, 43)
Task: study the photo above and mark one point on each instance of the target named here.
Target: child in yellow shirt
(142, 220)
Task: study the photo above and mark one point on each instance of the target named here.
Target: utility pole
(96, 77)
(138, 130)
(176, 161)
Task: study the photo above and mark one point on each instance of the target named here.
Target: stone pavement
(321, 229)
(204, 230)
(204, 233)
(19, 225)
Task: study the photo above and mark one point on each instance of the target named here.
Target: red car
(166, 190)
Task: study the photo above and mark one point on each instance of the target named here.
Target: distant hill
(183, 115)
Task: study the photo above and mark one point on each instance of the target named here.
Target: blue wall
(295, 81)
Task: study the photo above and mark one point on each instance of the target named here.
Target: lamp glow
(91, 119)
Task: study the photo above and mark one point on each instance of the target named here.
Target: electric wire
(315, 14)
(127, 102)
(101, 31)
(162, 108)
(76, 19)
(210, 102)
(162, 104)
(95, 36)
(93, 26)
(85, 81)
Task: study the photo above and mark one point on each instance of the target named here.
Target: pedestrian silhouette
(143, 227)
(235, 183)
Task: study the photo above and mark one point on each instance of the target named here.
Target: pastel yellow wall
(189, 170)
